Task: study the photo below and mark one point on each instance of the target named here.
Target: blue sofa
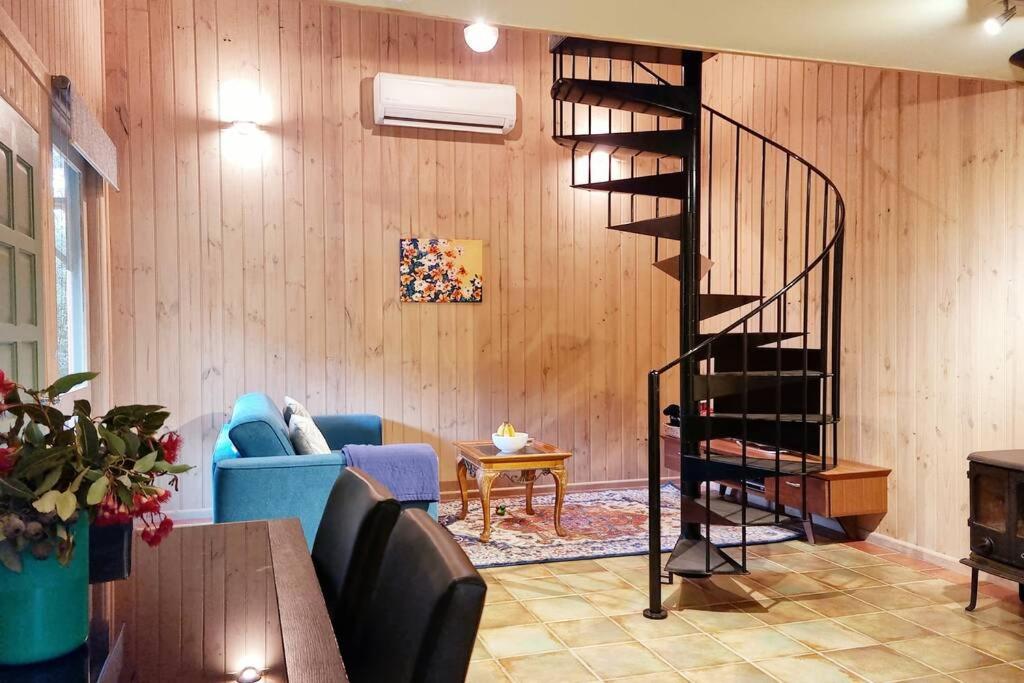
(257, 474)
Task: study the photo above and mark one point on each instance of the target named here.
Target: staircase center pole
(689, 269)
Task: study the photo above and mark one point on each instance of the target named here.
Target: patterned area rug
(598, 523)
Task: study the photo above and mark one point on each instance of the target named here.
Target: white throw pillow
(293, 407)
(307, 439)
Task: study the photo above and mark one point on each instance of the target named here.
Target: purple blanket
(409, 470)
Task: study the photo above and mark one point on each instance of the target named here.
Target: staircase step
(670, 266)
(733, 341)
(666, 227)
(721, 384)
(670, 185)
(641, 98)
(606, 49)
(690, 557)
(725, 512)
(647, 143)
(716, 304)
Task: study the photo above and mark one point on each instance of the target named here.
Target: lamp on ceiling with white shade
(481, 36)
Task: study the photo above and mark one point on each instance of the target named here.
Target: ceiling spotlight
(249, 674)
(994, 25)
(481, 36)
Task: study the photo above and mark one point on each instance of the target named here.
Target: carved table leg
(530, 478)
(561, 480)
(485, 479)
(460, 471)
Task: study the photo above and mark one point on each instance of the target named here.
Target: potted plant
(58, 472)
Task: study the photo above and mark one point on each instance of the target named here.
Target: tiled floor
(839, 612)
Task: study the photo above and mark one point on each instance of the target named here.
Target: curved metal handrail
(802, 275)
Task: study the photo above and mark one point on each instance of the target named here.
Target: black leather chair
(349, 544)
(421, 622)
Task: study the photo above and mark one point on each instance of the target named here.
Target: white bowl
(510, 444)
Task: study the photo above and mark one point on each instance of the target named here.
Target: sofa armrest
(275, 487)
(345, 430)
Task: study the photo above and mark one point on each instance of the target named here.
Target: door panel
(21, 321)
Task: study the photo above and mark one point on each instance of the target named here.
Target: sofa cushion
(306, 438)
(258, 428)
(293, 407)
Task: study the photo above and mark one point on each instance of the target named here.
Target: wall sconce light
(994, 25)
(249, 674)
(481, 36)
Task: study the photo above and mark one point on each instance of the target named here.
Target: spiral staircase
(754, 235)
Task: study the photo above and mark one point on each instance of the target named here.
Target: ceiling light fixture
(249, 674)
(481, 36)
(994, 25)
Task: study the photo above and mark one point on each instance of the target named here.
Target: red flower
(171, 443)
(6, 385)
(153, 535)
(111, 512)
(7, 459)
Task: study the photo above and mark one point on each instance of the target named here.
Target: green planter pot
(45, 608)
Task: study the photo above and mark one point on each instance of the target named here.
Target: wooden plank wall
(67, 36)
(282, 276)
(932, 171)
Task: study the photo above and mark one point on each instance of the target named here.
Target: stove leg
(1020, 591)
(974, 590)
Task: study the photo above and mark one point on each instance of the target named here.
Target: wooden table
(210, 600)
(483, 461)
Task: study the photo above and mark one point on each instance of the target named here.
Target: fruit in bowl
(508, 440)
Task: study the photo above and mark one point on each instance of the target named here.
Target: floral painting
(441, 271)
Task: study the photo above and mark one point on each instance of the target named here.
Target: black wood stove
(997, 517)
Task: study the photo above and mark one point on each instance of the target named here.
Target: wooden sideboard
(846, 493)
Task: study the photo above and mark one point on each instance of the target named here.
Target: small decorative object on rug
(500, 510)
(436, 270)
(58, 473)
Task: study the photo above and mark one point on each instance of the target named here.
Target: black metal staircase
(760, 275)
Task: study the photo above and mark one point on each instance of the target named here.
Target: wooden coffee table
(484, 462)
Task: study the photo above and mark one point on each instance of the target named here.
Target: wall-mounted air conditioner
(424, 102)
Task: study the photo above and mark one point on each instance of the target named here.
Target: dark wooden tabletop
(213, 599)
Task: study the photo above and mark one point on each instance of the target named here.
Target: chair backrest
(421, 621)
(358, 519)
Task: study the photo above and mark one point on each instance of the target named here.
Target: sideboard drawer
(791, 493)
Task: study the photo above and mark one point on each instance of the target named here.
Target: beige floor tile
(939, 619)
(740, 588)
(574, 567)
(638, 578)
(479, 651)
(842, 578)
(561, 609)
(762, 564)
(761, 643)
(883, 626)
(939, 591)
(697, 593)
(511, 641)
(1001, 673)
(826, 635)
(804, 562)
(789, 583)
(848, 557)
(809, 668)
(997, 613)
(621, 659)
(550, 666)
(835, 604)
(776, 549)
(720, 618)
(527, 589)
(591, 582)
(693, 651)
(730, 673)
(485, 671)
(642, 628)
(996, 642)
(780, 611)
(892, 573)
(879, 664)
(943, 654)
(523, 571)
(584, 632)
(631, 562)
(660, 677)
(889, 597)
(506, 614)
(497, 593)
(618, 601)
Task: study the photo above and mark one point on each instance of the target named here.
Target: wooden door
(21, 251)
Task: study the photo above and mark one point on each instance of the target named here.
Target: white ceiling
(939, 36)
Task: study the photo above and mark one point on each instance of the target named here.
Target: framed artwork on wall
(438, 270)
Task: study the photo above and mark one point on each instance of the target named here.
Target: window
(69, 245)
